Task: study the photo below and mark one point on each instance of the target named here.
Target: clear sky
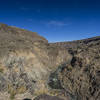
(56, 20)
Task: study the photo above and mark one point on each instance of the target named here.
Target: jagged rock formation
(30, 66)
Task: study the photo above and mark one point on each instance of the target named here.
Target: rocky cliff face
(30, 66)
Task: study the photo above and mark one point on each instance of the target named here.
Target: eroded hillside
(31, 67)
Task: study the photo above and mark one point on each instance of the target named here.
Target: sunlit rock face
(31, 67)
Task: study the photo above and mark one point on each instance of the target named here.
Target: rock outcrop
(31, 68)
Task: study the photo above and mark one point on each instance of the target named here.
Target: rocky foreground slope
(33, 69)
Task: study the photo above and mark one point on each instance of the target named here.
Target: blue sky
(56, 20)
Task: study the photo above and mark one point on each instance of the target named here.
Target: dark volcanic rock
(27, 99)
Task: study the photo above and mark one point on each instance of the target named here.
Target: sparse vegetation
(1, 70)
(34, 66)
